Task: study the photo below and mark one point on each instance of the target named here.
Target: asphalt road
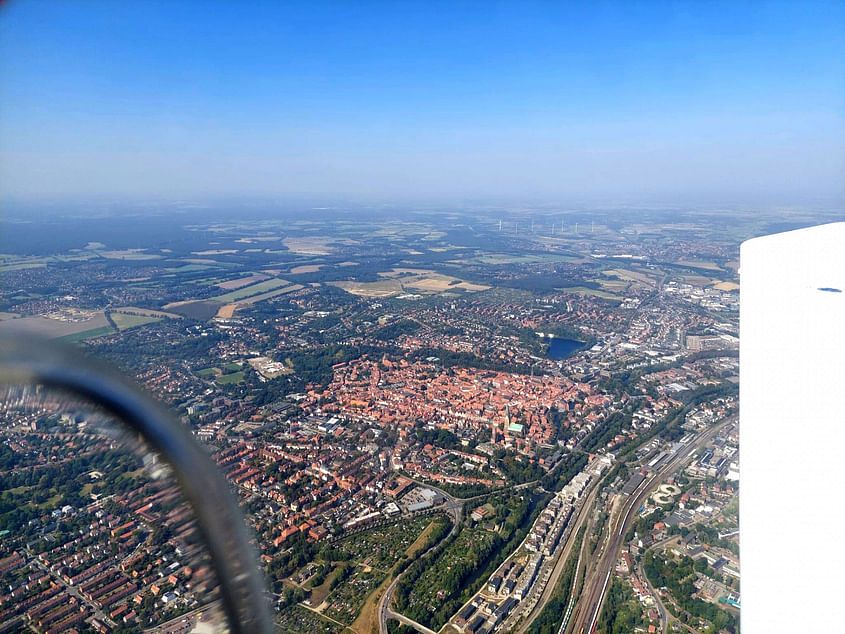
(74, 592)
(454, 507)
(665, 619)
(186, 622)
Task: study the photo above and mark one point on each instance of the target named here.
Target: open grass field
(19, 266)
(256, 239)
(631, 276)
(309, 245)
(592, 292)
(203, 281)
(367, 621)
(306, 268)
(232, 285)
(252, 289)
(405, 280)
(191, 268)
(202, 310)
(700, 264)
(438, 283)
(124, 321)
(383, 288)
(505, 258)
(726, 286)
(614, 286)
(404, 272)
(55, 328)
(146, 311)
(76, 257)
(9, 262)
(420, 541)
(19, 490)
(87, 334)
(230, 379)
(129, 254)
(279, 291)
(228, 311)
(319, 593)
(697, 280)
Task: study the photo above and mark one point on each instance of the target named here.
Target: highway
(597, 582)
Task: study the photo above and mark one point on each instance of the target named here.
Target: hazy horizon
(610, 104)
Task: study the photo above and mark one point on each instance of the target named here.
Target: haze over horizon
(679, 103)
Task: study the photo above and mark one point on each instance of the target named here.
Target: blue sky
(681, 103)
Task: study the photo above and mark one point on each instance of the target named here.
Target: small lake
(562, 348)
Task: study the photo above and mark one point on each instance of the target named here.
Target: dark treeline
(621, 613)
(678, 577)
(451, 359)
(479, 561)
(391, 332)
(565, 470)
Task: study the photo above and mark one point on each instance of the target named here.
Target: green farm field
(254, 289)
(124, 321)
(87, 334)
